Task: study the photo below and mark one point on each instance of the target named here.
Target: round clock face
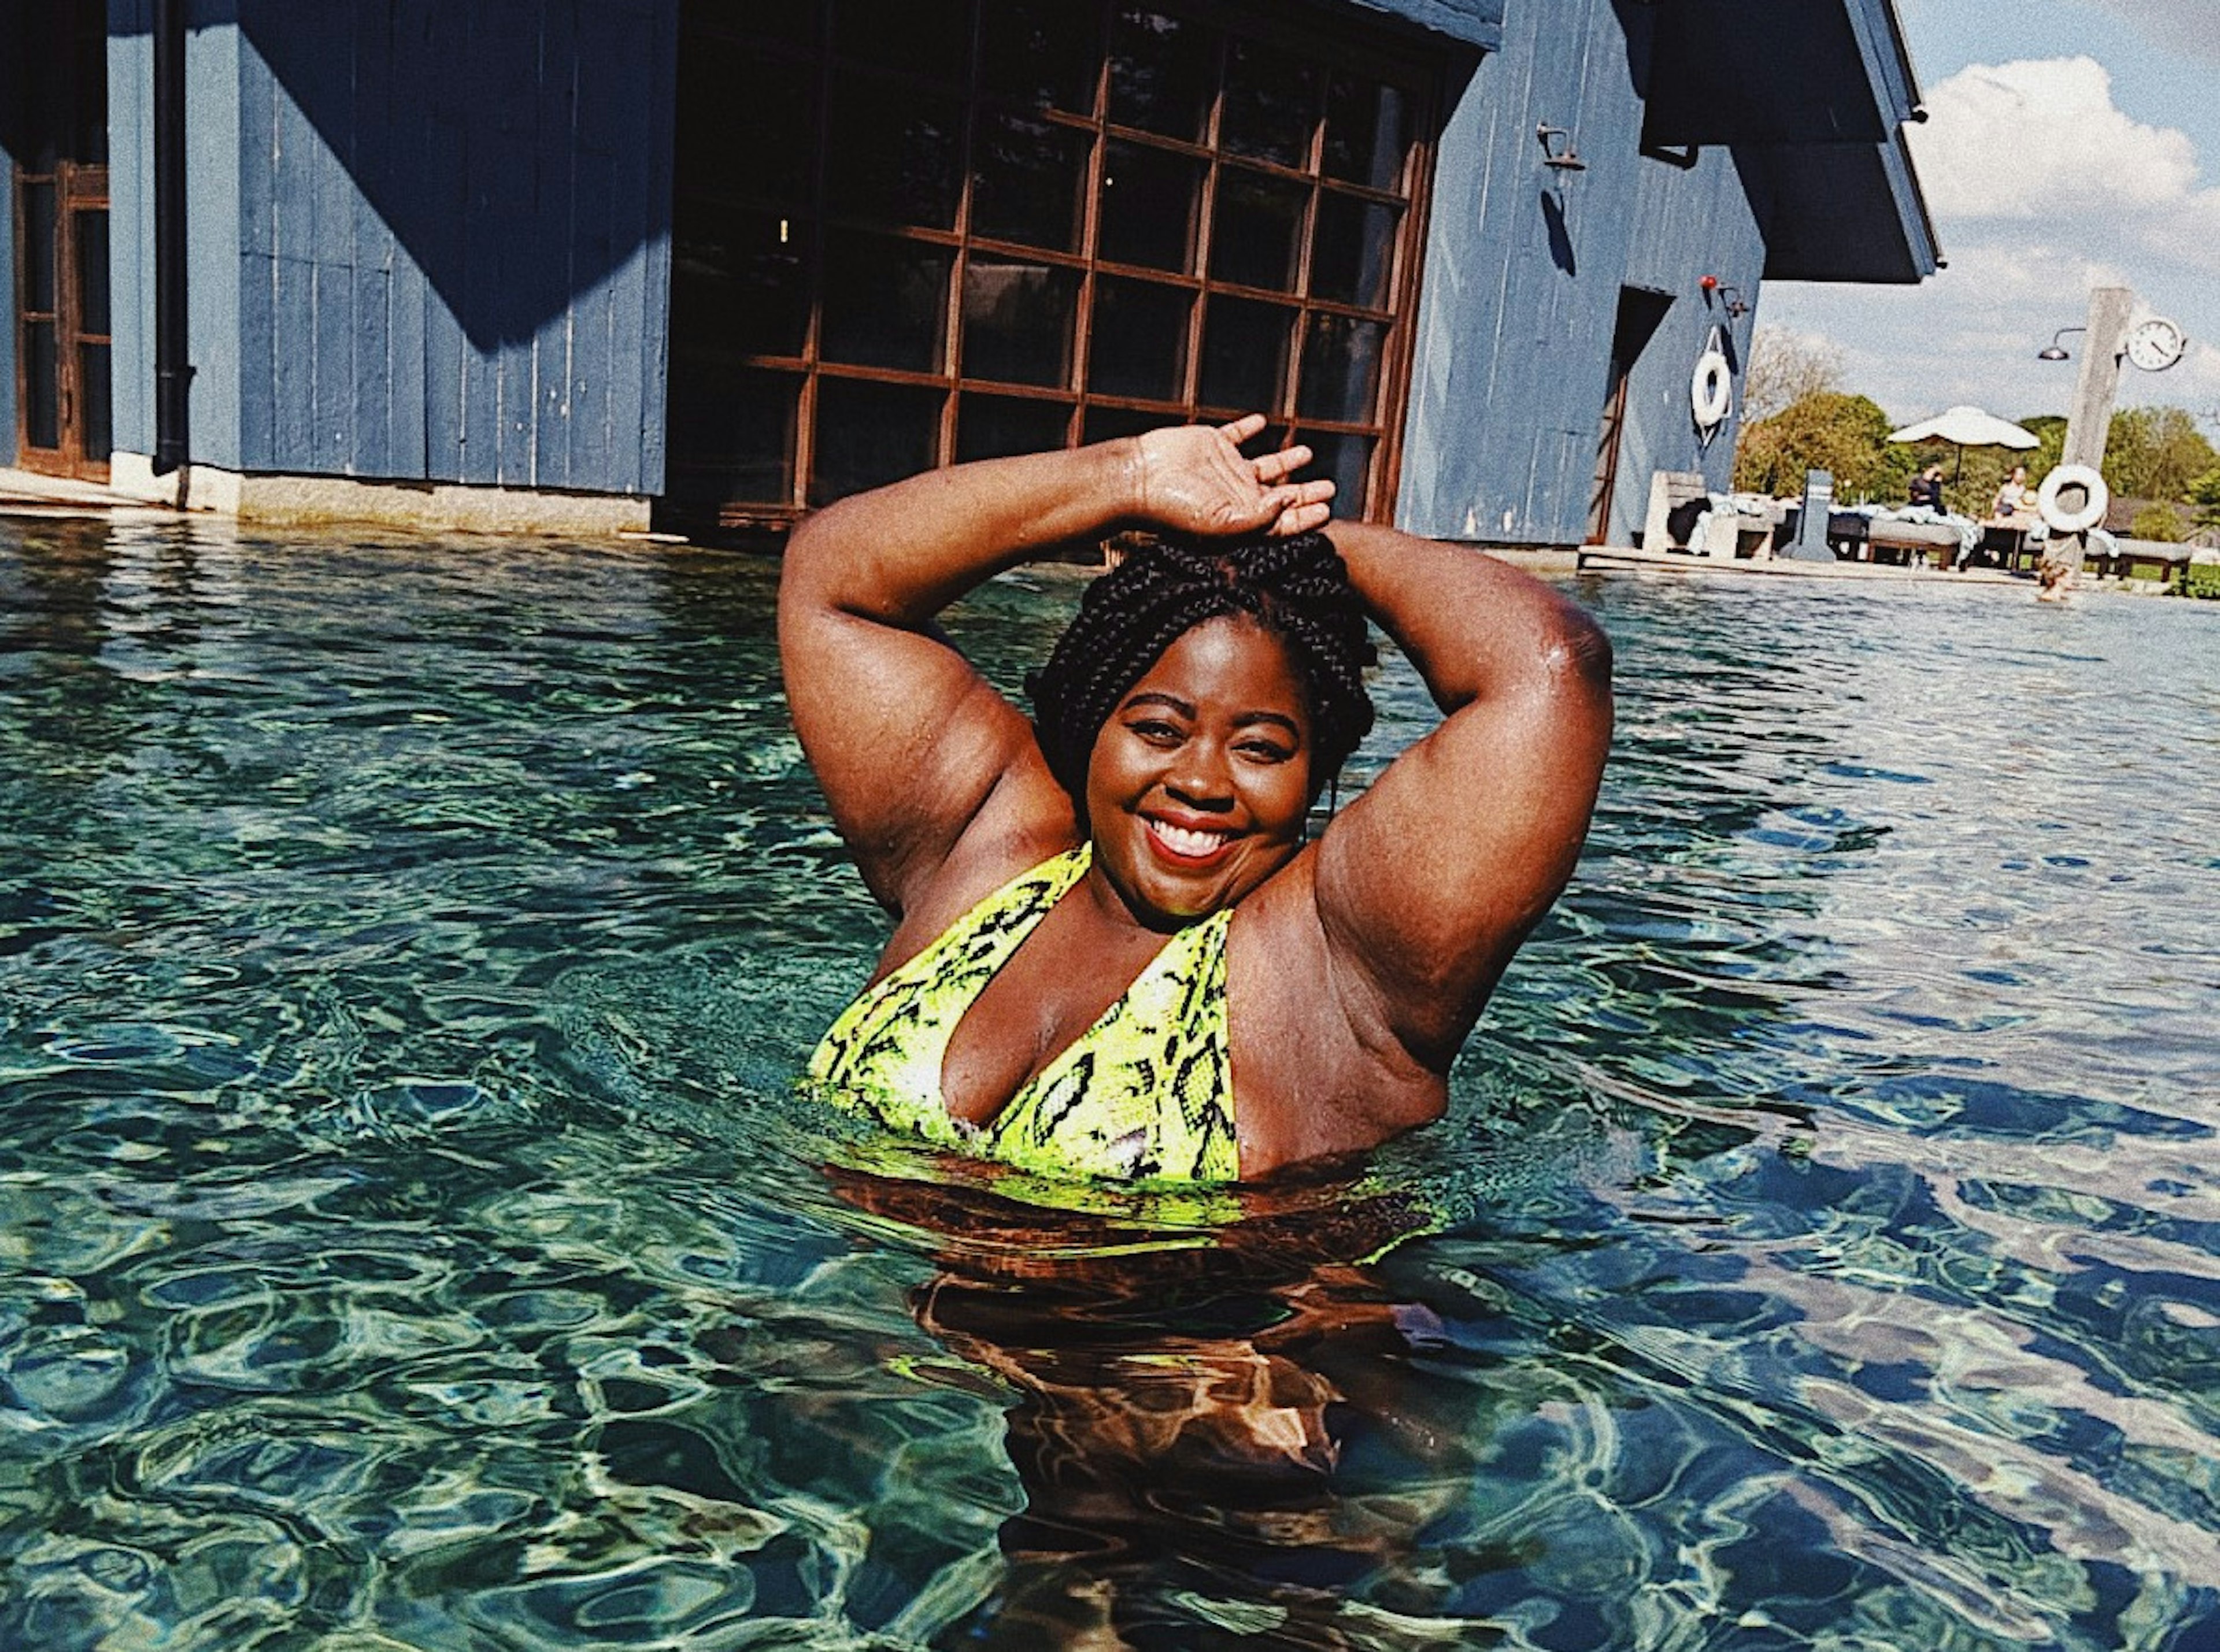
(2157, 345)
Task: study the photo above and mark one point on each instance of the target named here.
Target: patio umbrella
(1964, 427)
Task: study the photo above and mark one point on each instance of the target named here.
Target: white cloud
(2042, 137)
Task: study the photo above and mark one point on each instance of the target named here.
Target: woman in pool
(1116, 951)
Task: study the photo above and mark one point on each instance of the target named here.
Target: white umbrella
(1964, 427)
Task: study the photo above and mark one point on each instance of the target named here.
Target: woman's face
(1199, 783)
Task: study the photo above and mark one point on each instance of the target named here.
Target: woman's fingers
(1274, 467)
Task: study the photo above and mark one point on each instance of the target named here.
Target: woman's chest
(1067, 973)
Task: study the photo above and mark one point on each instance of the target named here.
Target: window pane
(918, 37)
(92, 271)
(38, 247)
(738, 282)
(894, 158)
(1348, 460)
(1271, 104)
(994, 427)
(1353, 253)
(1161, 70)
(1027, 180)
(1017, 321)
(1148, 211)
(1045, 52)
(886, 303)
(747, 123)
(732, 432)
(798, 22)
(1341, 369)
(1244, 355)
(1140, 345)
(1109, 424)
(92, 399)
(870, 434)
(42, 402)
(1256, 235)
(1368, 127)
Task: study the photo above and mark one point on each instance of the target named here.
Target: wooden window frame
(1375, 53)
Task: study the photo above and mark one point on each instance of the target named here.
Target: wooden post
(2090, 422)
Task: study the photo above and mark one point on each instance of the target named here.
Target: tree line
(1797, 417)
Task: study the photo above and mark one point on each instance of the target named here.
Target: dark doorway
(61, 238)
(1639, 313)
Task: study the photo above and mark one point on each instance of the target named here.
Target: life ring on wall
(2097, 499)
(1711, 392)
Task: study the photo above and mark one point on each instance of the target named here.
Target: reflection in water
(411, 1237)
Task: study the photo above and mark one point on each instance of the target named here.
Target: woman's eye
(1156, 733)
(1264, 752)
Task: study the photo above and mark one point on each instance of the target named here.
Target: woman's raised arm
(1428, 883)
(910, 744)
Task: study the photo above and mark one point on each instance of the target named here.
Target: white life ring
(1711, 392)
(2056, 516)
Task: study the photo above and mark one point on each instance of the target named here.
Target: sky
(2070, 144)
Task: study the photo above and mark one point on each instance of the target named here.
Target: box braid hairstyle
(1297, 588)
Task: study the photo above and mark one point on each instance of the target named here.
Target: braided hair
(1295, 588)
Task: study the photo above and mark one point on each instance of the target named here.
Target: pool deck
(1603, 559)
(27, 493)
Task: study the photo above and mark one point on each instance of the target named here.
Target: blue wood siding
(131, 224)
(454, 246)
(429, 239)
(10, 98)
(1524, 267)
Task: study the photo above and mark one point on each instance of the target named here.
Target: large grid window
(911, 231)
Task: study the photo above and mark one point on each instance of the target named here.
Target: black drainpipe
(172, 375)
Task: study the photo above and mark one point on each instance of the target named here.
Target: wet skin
(1199, 783)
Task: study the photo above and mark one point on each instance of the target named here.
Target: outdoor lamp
(2054, 350)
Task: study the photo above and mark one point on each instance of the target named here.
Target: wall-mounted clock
(2157, 345)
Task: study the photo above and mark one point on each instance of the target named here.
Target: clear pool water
(408, 1238)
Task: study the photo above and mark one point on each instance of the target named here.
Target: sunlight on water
(411, 1237)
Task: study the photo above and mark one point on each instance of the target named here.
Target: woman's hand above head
(1195, 479)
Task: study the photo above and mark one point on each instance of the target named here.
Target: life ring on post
(1711, 392)
(2062, 518)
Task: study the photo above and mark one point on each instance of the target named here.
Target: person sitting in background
(1926, 489)
(2015, 502)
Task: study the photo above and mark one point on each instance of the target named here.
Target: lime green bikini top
(1145, 1094)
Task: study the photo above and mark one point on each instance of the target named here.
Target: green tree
(2159, 521)
(1824, 430)
(2204, 497)
(2155, 453)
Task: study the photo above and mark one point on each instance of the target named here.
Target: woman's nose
(1199, 774)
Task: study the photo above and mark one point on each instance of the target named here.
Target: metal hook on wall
(1565, 160)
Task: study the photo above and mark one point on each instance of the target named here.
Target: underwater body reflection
(412, 1236)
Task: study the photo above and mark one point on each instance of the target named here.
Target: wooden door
(61, 241)
(62, 344)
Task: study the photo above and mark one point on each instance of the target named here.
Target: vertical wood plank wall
(10, 98)
(1524, 269)
(430, 239)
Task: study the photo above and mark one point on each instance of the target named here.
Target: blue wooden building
(586, 262)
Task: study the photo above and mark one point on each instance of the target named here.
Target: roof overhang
(1475, 23)
(1817, 93)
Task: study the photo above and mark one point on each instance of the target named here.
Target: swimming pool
(408, 1238)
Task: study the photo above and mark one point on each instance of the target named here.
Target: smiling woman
(1116, 952)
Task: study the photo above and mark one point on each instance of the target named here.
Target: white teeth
(1184, 840)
